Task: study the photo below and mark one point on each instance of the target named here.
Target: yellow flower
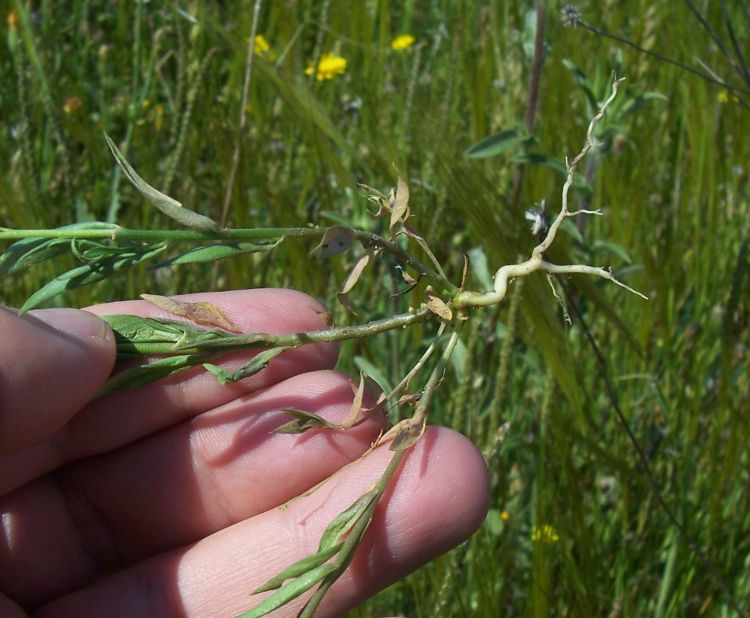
(261, 46)
(545, 534)
(725, 97)
(329, 66)
(504, 516)
(400, 43)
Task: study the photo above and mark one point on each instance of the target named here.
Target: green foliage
(167, 83)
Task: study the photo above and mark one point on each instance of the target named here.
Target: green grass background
(165, 80)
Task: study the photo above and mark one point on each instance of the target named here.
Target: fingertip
(52, 362)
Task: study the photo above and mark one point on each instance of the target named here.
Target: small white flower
(537, 218)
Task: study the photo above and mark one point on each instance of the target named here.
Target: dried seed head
(570, 15)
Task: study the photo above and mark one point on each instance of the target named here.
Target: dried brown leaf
(202, 312)
(439, 307)
(356, 407)
(400, 206)
(355, 273)
(404, 435)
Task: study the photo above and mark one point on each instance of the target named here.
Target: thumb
(52, 362)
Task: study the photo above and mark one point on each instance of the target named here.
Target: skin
(164, 500)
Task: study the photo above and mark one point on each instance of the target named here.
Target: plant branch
(116, 233)
(264, 340)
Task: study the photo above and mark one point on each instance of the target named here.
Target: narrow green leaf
(495, 144)
(344, 521)
(583, 82)
(91, 273)
(539, 159)
(613, 248)
(299, 568)
(478, 267)
(290, 591)
(258, 363)
(152, 371)
(374, 372)
(572, 230)
(166, 204)
(217, 251)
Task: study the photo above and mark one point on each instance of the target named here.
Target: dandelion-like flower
(544, 534)
(329, 66)
(400, 43)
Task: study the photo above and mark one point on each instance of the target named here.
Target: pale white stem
(536, 262)
(572, 269)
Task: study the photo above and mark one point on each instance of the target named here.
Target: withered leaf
(438, 307)
(404, 435)
(201, 312)
(356, 273)
(356, 408)
(400, 206)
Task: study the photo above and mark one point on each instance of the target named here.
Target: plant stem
(273, 233)
(263, 340)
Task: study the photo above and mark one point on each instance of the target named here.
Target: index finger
(122, 417)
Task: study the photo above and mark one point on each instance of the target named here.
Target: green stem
(257, 340)
(351, 543)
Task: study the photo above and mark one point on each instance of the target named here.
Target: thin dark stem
(705, 76)
(711, 32)
(741, 64)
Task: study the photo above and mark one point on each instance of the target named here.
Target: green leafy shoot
(153, 371)
(303, 421)
(258, 363)
(497, 143)
(297, 586)
(166, 204)
(311, 570)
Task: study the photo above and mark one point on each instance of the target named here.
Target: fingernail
(81, 324)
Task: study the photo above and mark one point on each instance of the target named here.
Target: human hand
(166, 500)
